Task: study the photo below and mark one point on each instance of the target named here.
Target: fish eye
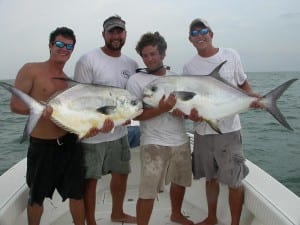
(133, 102)
(153, 88)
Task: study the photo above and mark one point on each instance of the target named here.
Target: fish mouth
(146, 98)
(147, 106)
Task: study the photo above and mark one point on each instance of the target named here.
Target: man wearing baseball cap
(107, 153)
(218, 157)
(113, 22)
(199, 22)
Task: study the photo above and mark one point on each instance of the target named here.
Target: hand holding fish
(257, 104)
(194, 116)
(178, 113)
(168, 104)
(127, 122)
(108, 125)
(47, 112)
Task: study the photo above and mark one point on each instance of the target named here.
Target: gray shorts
(106, 157)
(219, 157)
(164, 163)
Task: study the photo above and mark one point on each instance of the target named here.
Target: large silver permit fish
(213, 97)
(81, 107)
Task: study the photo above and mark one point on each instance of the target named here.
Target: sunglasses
(195, 33)
(60, 44)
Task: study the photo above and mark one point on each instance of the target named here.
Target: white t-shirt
(231, 71)
(164, 129)
(96, 67)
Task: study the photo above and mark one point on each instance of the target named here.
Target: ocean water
(266, 143)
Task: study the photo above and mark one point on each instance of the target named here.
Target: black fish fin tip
(215, 73)
(106, 110)
(214, 125)
(184, 95)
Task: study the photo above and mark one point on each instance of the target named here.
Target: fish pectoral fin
(214, 125)
(184, 95)
(107, 110)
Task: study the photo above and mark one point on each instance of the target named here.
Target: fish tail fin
(35, 108)
(31, 122)
(270, 99)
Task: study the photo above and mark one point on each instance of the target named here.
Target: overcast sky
(266, 33)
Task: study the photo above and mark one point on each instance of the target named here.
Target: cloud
(294, 15)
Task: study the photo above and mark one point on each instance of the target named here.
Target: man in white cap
(106, 153)
(218, 158)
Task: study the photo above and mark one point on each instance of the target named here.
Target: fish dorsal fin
(184, 95)
(215, 73)
(70, 81)
(107, 110)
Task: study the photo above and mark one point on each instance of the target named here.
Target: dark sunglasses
(203, 31)
(60, 44)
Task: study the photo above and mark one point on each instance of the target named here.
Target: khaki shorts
(219, 157)
(106, 157)
(164, 163)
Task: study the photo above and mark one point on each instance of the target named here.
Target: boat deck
(160, 214)
(267, 202)
(161, 210)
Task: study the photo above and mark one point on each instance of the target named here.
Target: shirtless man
(54, 159)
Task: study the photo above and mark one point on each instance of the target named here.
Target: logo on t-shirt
(126, 74)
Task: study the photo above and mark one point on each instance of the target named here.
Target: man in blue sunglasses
(218, 158)
(54, 159)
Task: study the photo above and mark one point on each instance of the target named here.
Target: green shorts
(106, 157)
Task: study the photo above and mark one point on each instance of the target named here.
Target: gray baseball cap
(112, 22)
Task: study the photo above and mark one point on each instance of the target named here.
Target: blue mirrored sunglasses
(203, 31)
(60, 44)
